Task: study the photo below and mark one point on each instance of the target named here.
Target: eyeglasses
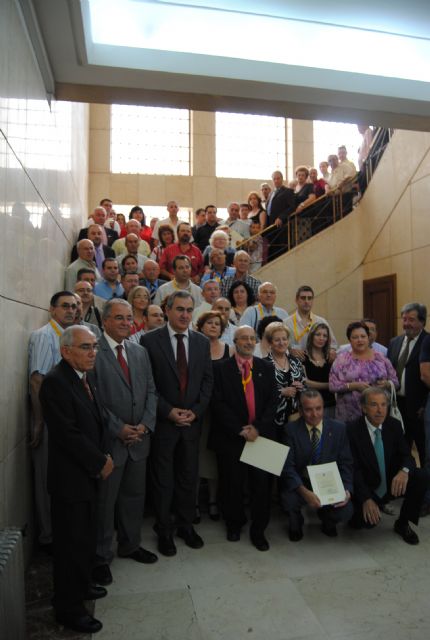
(66, 305)
(86, 346)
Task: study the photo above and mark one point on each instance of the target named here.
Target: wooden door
(379, 303)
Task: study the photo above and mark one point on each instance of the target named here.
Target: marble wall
(197, 190)
(387, 233)
(43, 199)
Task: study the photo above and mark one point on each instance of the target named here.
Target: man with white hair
(210, 293)
(78, 458)
(128, 395)
(241, 263)
(265, 307)
(85, 260)
(132, 226)
(243, 408)
(265, 190)
(234, 222)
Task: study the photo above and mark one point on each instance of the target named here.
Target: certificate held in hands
(327, 483)
(265, 454)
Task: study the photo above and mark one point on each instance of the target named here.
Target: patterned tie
(381, 490)
(87, 387)
(403, 358)
(123, 363)
(181, 363)
(315, 443)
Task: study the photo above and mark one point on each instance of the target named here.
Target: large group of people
(139, 381)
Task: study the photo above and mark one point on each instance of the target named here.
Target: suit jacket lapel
(167, 349)
(398, 346)
(78, 388)
(415, 351)
(236, 383)
(327, 443)
(305, 441)
(367, 446)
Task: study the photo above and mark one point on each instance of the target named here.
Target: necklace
(278, 364)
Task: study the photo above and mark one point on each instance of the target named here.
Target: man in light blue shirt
(110, 287)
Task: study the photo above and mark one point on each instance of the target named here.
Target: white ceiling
(393, 91)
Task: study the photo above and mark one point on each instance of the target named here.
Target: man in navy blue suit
(384, 467)
(314, 439)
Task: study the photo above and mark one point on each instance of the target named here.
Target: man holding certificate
(243, 408)
(384, 467)
(318, 470)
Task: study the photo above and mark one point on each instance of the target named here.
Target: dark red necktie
(122, 362)
(87, 387)
(181, 363)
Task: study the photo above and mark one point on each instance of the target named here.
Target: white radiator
(12, 597)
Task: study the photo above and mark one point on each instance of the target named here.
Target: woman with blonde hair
(139, 298)
(289, 373)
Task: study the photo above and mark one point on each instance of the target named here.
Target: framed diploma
(265, 454)
(327, 483)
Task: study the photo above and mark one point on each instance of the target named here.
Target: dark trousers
(232, 475)
(74, 533)
(174, 474)
(277, 242)
(410, 510)
(414, 428)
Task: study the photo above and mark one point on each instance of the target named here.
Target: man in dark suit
(101, 250)
(384, 467)
(182, 370)
(77, 458)
(243, 408)
(280, 204)
(404, 352)
(99, 216)
(127, 391)
(314, 439)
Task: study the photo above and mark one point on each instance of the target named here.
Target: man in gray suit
(127, 391)
(182, 369)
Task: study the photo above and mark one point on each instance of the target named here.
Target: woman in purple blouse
(354, 371)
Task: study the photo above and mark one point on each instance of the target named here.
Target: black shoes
(95, 593)
(142, 555)
(405, 531)
(102, 574)
(295, 526)
(295, 533)
(83, 623)
(190, 537)
(259, 541)
(329, 529)
(166, 546)
(233, 535)
(213, 511)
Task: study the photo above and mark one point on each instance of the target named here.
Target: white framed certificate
(327, 483)
(265, 454)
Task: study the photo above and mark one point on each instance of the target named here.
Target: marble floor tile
(130, 576)
(367, 602)
(261, 610)
(167, 615)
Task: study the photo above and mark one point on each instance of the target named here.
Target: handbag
(394, 409)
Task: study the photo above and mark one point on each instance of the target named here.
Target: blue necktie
(381, 490)
(315, 444)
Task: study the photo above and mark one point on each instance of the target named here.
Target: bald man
(85, 260)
